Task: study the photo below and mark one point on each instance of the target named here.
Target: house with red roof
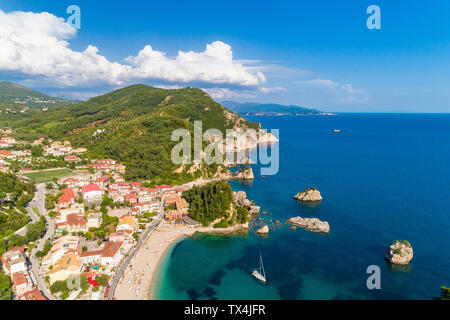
(110, 255)
(74, 223)
(165, 188)
(14, 261)
(7, 155)
(103, 181)
(71, 158)
(67, 198)
(91, 192)
(21, 282)
(131, 197)
(34, 294)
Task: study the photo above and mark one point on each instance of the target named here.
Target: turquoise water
(385, 177)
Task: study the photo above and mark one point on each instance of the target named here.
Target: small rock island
(263, 230)
(309, 195)
(399, 252)
(310, 224)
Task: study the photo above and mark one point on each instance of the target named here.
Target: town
(94, 219)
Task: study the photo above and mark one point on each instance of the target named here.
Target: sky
(317, 54)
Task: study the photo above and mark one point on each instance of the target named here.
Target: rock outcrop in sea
(399, 252)
(241, 199)
(245, 174)
(309, 194)
(310, 224)
(263, 230)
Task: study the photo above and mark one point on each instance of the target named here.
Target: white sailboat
(261, 274)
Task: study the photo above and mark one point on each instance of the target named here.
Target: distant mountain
(253, 108)
(14, 95)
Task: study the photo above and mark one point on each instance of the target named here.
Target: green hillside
(13, 94)
(134, 125)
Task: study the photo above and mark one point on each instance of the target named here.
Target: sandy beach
(139, 276)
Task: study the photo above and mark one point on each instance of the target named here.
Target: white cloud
(344, 93)
(271, 89)
(36, 44)
(225, 93)
(321, 83)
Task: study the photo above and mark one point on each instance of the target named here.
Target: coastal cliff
(310, 224)
(241, 199)
(399, 252)
(245, 174)
(309, 194)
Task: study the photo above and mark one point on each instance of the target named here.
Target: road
(124, 264)
(39, 202)
(38, 197)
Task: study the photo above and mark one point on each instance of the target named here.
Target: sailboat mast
(262, 265)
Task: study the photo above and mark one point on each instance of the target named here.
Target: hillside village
(96, 219)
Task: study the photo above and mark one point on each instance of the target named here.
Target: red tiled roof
(6, 153)
(67, 196)
(33, 295)
(90, 188)
(19, 278)
(103, 178)
(164, 187)
(109, 250)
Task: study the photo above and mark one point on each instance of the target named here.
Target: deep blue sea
(384, 177)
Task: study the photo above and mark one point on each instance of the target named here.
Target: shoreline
(144, 267)
(150, 288)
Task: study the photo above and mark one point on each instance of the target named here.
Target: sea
(384, 177)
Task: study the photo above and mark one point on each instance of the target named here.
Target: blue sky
(316, 54)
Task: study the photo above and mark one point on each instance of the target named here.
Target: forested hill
(133, 125)
(13, 94)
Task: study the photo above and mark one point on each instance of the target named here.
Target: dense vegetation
(209, 202)
(134, 125)
(445, 293)
(15, 192)
(5, 287)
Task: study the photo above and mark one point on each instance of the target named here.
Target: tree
(47, 248)
(84, 284)
(445, 293)
(58, 286)
(37, 151)
(5, 287)
(209, 202)
(102, 280)
(84, 249)
(35, 231)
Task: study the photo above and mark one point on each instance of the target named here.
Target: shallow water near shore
(384, 177)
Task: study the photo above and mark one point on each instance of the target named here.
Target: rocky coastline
(310, 224)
